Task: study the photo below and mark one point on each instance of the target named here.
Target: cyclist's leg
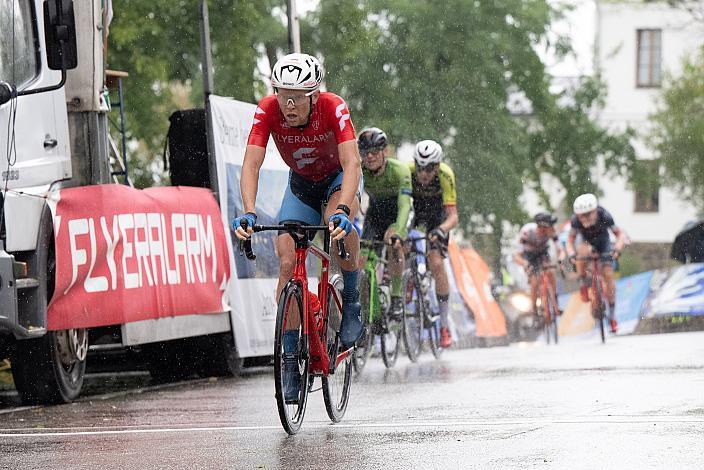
(293, 209)
(352, 327)
(603, 246)
(583, 249)
(436, 262)
(534, 282)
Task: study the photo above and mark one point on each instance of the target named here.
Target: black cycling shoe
(352, 327)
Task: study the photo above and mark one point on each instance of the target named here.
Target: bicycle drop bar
(299, 230)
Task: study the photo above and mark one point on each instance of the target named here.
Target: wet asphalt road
(636, 402)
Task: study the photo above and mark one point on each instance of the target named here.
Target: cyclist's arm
(571, 250)
(451, 219)
(620, 238)
(405, 191)
(519, 259)
(449, 198)
(351, 166)
(249, 181)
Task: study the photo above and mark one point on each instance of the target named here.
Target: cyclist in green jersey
(388, 184)
(435, 207)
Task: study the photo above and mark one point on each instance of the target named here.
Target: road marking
(55, 432)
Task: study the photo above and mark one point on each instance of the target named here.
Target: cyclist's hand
(615, 254)
(339, 225)
(438, 234)
(572, 258)
(243, 224)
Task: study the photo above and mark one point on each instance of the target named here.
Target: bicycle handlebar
(300, 229)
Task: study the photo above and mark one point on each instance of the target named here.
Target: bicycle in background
(599, 304)
(375, 297)
(549, 310)
(419, 318)
(317, 351)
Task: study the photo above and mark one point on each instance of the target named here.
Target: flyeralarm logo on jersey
(126, 255)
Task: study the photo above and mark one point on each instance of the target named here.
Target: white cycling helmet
(585, 203)
(427, 152)
(297, 72)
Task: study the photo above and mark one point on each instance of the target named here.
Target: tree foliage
(446, 70)
(678, 133)
(159, 45)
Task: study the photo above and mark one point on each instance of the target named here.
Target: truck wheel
(50, 369)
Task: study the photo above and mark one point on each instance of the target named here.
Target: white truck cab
(54, 135)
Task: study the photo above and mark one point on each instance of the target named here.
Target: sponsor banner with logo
(679, 291)
(252, 290)
(473, 279)
(125, 255)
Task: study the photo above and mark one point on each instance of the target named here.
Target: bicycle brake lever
(246, 245)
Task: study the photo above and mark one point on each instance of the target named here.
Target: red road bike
(318, 351)
(598, 296)
(548, 300)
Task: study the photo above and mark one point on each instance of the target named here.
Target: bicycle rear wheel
(553, 312)
(364, 346)
(290, 311)
(336, 386)
(412, 325)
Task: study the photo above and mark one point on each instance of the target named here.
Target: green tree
(678, 133)
(159, 45)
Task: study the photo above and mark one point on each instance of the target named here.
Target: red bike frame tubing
(300, 276)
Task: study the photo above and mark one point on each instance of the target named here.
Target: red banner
(125, 255)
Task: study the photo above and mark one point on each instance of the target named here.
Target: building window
(647, 197)
(649, 45)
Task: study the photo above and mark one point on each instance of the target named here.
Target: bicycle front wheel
(291, 371)
(336, 386)
(390, 339)
(599, 305)
(412, 324)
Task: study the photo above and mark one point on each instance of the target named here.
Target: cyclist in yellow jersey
(435, 207)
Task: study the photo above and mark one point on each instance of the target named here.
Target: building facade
(638, 45)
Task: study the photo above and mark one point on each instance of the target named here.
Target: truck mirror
(60, 32)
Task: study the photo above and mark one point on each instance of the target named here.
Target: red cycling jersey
(312, 151)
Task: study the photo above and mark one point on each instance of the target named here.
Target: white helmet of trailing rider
(427, 152)
(297, 72)
(585, 203)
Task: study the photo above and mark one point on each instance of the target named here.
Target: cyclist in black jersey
(435, 207)
(591, 224)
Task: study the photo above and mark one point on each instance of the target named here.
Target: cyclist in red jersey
(315, 137)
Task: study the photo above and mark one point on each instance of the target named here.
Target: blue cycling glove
(250, 218)
(342, 221)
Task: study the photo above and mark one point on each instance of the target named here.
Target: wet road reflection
(632, 403)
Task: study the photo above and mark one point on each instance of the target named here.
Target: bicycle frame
(320, 357)
(370, 267)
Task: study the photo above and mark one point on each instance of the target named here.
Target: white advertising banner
(252, 288)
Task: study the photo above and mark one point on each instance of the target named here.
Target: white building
(637, 45)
